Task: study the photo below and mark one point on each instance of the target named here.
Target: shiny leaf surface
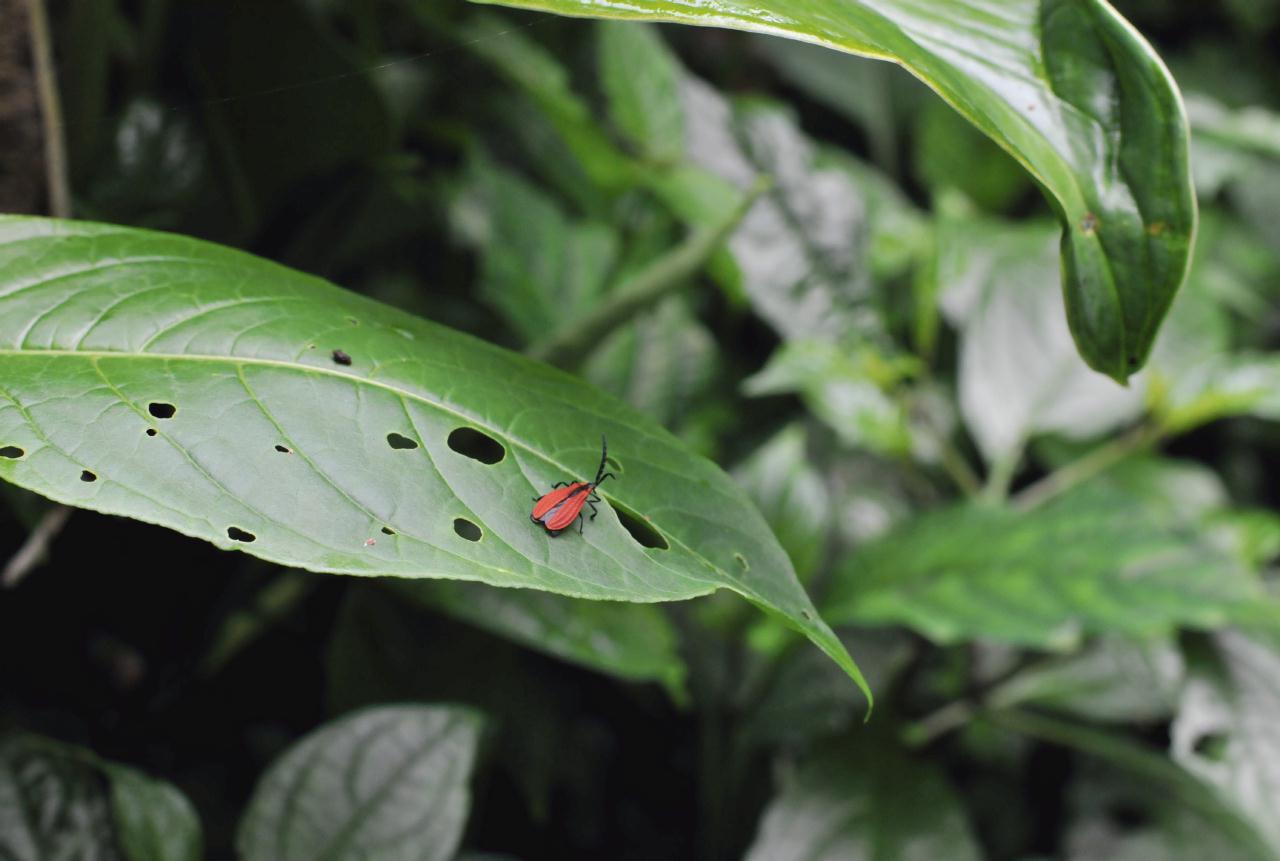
(237, 401)
(1068, 88)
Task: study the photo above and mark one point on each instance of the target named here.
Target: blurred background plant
(1062, 590)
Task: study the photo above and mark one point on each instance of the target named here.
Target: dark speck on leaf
(341, 358)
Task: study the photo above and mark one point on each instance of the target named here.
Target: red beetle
(557, 509)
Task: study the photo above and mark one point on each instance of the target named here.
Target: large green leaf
(237, 401)
(1068, 88)
(1112, 556)
(388, 782)
(61, 801)
(864, 802)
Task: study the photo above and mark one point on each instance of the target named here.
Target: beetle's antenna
(604, 459)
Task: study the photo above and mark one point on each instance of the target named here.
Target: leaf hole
(151, 431)
(161, 410)
(466, 529)
(742, 560)
(387, 530)
(1089, 222)
(400, 441)
(341, 357)
(12, 452)
(353, 321)
(476, 445)
(641, 530)
(806, 615)
(237, 534)
(87, 476)
(1212, 746)
(284, 449)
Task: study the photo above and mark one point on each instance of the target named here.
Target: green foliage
(61, 801)
(1065, 88)
(835, 339)
(1111, 556)
(388, 782)
(867, 801)
(180, 374)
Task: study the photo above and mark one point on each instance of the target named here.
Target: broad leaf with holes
(238, 401)
(388, 782)
(1068, 88)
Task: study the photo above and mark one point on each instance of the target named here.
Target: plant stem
(664, 276)
(55, 151)
(955, 465)
(33, 550)
(953, 715)
(1101, 458)
(1000, 476)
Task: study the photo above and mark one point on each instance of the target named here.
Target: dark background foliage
(348, 140)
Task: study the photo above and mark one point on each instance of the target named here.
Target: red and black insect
(557, 509)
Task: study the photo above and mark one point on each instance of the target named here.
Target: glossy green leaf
(240, 402)
(1103, 558)
(388, 782)
(875, 96)
(1229, 384)
(864, 802)
(61, 801)
(631, 641)
(641, 79)
(539, 268)
(539, 74)
(1068, 88)
(385, 649)
(662, 362)
(844, 385)
(1227, 732)
(793, 496)
(798, 250)
(1019, 374)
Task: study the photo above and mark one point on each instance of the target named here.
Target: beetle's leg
(581, 523)
(560, 484)
(594, 511)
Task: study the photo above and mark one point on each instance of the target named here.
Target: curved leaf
(387, 782)
(234, 400)
(1068, 88)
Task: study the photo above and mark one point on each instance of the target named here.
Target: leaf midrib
(94, 355)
